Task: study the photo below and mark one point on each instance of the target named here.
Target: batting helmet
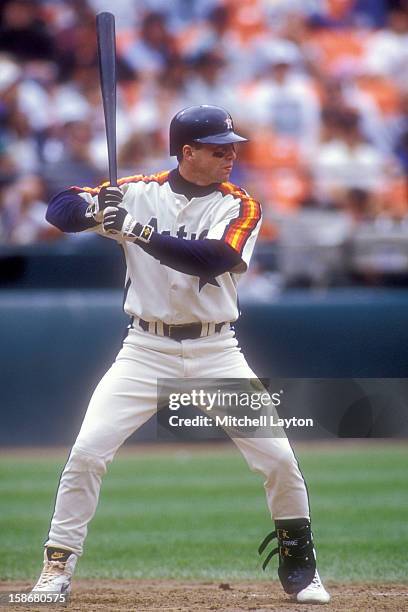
(205, 124)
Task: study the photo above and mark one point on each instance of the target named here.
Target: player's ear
(188, 152)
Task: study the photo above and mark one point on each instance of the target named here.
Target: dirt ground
(178, 596)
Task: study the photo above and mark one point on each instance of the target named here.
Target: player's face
(213, 163)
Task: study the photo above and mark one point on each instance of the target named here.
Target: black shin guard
(297, 563)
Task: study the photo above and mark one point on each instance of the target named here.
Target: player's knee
(277, 467)
(287, 459)
(82, 461)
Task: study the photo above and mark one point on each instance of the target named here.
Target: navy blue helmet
(205, 124)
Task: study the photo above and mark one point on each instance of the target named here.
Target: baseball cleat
(313, 593)
(57, 572)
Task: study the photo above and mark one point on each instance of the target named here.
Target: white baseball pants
(126, 398)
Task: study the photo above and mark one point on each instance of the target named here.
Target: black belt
(189, 331)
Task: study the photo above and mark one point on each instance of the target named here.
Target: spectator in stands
(401, 151)
(155, 44)
(141, 153)
(401, 143)
(10, 74)
(346, 161)
(74, 164)
(284, 100)
(5, 221)
(342, 13)
(339, 95)
(17, 138)
(387, 49)
(209, 82)
(358, 204)
(217, 34)
(75, 40)
(25, 203)
(23, 33)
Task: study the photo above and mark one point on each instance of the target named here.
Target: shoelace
(50, 571)
(315, 584)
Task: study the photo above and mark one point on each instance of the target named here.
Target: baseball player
(187, 235)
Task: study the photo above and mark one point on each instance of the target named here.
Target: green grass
(202, 514)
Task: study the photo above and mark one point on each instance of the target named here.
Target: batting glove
(118, 221)
(108, 196)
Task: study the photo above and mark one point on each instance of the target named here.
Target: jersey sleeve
(240, 223)
(97, 229)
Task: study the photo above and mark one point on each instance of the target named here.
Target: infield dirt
(179, 596)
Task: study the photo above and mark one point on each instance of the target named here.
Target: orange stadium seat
(278, 166)
(187, 37)
(124, 39)
(267, 151)
(383, 91)
(282, 190)
(338, 50)
(288, 188)
(338, 9)
(130, 93)
(269, 230)
(395, 196)
(247, 19)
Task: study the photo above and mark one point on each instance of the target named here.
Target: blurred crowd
(319, 86)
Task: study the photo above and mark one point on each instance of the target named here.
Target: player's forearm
(66, 211)
(196, 257)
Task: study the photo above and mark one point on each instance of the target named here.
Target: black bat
(105, 30)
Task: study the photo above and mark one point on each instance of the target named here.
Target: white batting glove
(107, 196)
(118, 221)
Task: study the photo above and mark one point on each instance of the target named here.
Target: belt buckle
(184, 332)
(176, 332)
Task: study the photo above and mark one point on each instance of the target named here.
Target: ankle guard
(297, 563)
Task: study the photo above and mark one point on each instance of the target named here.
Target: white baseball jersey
(156, 292)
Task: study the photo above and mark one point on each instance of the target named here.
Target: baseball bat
(105, 30)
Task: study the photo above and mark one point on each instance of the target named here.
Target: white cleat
(57, 572)
(313, 593)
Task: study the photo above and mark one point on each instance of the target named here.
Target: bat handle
(113, 171)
